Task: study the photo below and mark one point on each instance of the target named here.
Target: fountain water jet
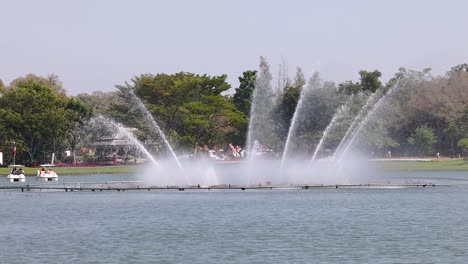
(314, 83)
(328, 129)
(353, 125)
(130, 136)
(287, 171)
(292, 127)
(149, 118)
(366, 119)
(263, 101)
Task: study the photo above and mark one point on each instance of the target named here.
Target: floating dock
(133, 186)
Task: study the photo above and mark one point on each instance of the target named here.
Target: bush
(423, 140)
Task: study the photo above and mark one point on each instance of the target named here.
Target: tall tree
(78, 114)
(35, 114)
(263, 102)
(463, 145)
(283, 80)
(299, 79)
(52, 81)
(243, 96)
(189, 107)
(370, 80)
(287, 104)
(459, 68)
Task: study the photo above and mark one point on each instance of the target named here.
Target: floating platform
(135, 186)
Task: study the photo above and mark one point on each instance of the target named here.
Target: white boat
(47, 173)
(16, 174)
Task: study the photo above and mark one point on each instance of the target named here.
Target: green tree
(375, 136)
(261, 128)
(52, 81)
(207, 119)
(35, 117)
(188, 107)
(289, 99)
(423, 140)
(463, 144)
(349, 87)
(243, 96)
(299, 79)
(459, 68)
(77, 115)
(100, 102)
(370, 80)
(289, 102)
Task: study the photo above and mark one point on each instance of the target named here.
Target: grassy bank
(435, 165)
(80, 170)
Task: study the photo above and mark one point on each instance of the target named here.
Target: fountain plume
(149, 118)
(327, 130)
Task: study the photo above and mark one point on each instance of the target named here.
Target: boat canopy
(15, 166)
(47, 165)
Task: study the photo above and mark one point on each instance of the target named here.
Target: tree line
(425, 115)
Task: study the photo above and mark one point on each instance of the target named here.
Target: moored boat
(16, 174)
(47, 173)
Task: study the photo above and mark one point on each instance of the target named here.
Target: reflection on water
(409, 225)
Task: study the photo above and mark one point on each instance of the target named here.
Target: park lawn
(80, 170)
(434, 165)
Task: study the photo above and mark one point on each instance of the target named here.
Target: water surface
(363, 225)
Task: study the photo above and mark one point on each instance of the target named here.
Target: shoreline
(396, 164)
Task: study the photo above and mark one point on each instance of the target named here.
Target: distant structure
(116, 149)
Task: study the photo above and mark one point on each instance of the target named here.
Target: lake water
(344, 225)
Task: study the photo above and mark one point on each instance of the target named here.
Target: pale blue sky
(95, 44)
